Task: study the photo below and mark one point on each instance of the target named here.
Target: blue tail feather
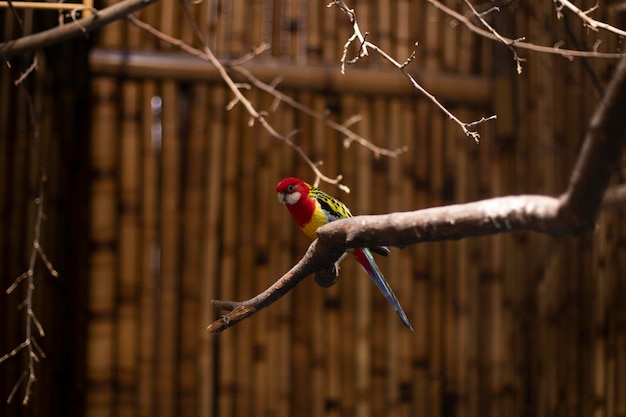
(365, 258)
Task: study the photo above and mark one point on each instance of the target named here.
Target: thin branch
(520, 43)
(584, 16)
(82, 27)
(342, 128)
(365, 45)
(516, 58)
(32, 67)
(207, 55)
(356, 33)
(465, 126)
(32, 323)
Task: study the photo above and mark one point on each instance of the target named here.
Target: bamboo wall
(178, 208)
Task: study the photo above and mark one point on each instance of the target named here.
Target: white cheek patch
(292, 198)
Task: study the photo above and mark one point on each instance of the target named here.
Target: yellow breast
(317, 220)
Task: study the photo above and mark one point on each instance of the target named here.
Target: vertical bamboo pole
(398, 266)
(407, 136)
(246, 274)
(601, 289)
(113, 35)
(314, 35)
(362, 290)
(283, 389)
(381, 343)
(437, 263)
(129, 256)
(301, 315)
(191, 327)
(238, 42)
(297, 27)
(266, 176)
(465, 289)
(102, 263)
(403, 22)
(127, 344)
(325, 150)
(619, 321)
(461, 346)
(168, 317)
(211, 271)
(432, 39)
(363, 191)
(419, 150)
(331, 43)
(227, 387)
(167, 21)
(150, 250)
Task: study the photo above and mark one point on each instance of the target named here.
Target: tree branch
(363, 48)
(317, 258)
(573, 212)
(520, 43)
(584, 16)
(71, 30)
(600, 154)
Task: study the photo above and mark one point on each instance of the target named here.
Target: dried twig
(516, 57)
(342, 128)
(584, 16)
(520, 43)
(207, 55)
(466, 127)
(32, 67)
(33, 326)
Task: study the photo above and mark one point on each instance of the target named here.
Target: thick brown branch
(492, 216)
(72, 30)
(614, 198)
(316, 258)
(600, 154)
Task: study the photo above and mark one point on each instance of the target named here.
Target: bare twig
(207, 55)
(584, 16)
(62, 33)
(466, 127)
(32, 67)
(356, 33)
(342, 128)
(518, 60)
(520, 43)
(32, 323)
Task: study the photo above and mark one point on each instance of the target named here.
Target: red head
(291, 190)
(294, 193)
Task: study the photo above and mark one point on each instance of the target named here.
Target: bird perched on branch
(313, 208)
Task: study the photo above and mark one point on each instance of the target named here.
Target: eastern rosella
(313, 208)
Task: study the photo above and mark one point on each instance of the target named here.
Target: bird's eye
(290, 189)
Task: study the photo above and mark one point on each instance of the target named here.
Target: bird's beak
(281, 197)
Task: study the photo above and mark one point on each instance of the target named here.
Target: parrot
(313, 208)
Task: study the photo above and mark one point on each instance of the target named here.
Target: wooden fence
(176, 207)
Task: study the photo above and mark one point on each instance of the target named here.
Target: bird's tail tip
(405, 319)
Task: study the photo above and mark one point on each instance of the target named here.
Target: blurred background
(159, 198)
